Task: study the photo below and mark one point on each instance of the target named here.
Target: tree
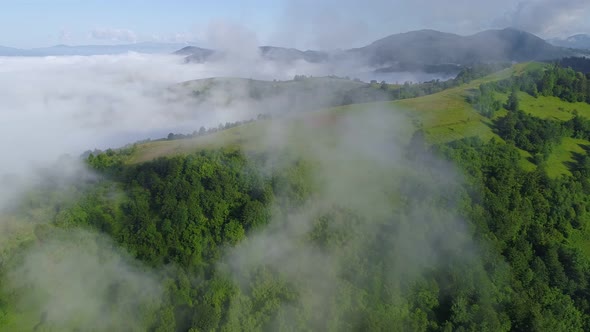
(512, 104)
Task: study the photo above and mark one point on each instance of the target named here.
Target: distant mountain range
(419, 50)
(423, 50)
(57, 50)
(580, 41)
(429, 47)
(9, 51)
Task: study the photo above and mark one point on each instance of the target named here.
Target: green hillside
(419, 214)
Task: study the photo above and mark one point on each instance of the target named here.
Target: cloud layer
(56, 105)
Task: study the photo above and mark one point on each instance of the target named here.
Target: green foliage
(578, 127)
(109, 159)
(512, 103)
(581, 64)
(529, 217)
(565, 83)
(529, 133)
(484, 101)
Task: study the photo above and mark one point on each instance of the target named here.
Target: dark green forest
(183, 211)
(580, 64)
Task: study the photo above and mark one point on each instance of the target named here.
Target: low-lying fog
(55, 105)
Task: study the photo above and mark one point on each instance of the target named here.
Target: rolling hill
(445, 116)
(271, 97)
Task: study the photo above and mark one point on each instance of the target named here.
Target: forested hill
(463, 210)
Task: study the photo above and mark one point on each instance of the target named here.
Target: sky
(317, 24)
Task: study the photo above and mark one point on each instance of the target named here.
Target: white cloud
(548, 18)
(56, 105)
(177, 37)
(116, 35)
(232, 38)
(65, 35)
(69, 104)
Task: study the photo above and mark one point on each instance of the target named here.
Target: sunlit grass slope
(444, 117)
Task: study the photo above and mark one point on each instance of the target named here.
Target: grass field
(549, 107)
(563, 155)
(447, 116)
(444, 117)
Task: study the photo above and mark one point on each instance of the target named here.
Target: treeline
(384, 91)
(207, 131)
(581, 64)
(466, 75)
(535, 135)
(564, 83)
(527, 132)
(553, 80)
(484, 100)
(538, 136)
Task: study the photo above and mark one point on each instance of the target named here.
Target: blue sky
(30, 23)
(297, 23)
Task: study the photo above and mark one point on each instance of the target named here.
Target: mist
(62, 106)
(379, 203)
(56, 105)
(78, 279)
(373, 205)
